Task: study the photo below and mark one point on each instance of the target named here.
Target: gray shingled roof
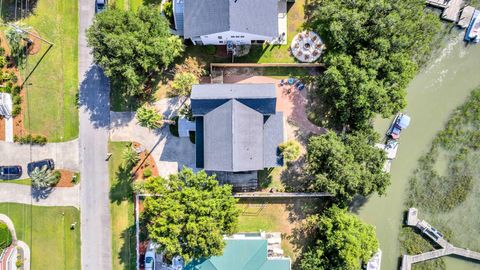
(205, 17)
(229, 91)
(273, 136)
(233, 138)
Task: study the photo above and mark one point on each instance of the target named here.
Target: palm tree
(130, 157)
(148, 117)
(43, 178)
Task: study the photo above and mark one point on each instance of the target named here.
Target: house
(259, 251)
(220, 22)
(238, 131)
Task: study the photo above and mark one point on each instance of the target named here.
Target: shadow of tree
(41, 193)
(122, 189)
(128, 253)
(294, 178)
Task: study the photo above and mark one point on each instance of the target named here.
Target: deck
(447, 248)
(451, 8)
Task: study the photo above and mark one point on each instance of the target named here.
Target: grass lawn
(285, 216)
(53, 86)
(47, 232)
(279, 53)
(122, 212)
(26, 181)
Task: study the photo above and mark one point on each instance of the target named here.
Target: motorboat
(401, 121)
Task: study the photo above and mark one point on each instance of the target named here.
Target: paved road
(94, 121)
(65, 155)
(15, 193)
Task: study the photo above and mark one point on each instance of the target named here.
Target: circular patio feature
(307, 46)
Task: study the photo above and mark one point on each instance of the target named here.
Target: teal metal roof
(242, 254)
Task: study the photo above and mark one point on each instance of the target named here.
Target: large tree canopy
(190, 215)
(131, 46)
(373, 51)
(343, 242)
(347, 165)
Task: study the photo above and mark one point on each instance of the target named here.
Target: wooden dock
(447, 248)
(281, 195)
(451, 8)
(466, 17)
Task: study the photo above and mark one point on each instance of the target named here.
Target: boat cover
(404, 121)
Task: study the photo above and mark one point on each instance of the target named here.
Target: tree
(190, 215)
(132, 47)
(369, 62)
(343, 242)
(15, 38)
(44, 178)
(191, 65)
(290, 150)
(347, 165)
(148, 117)
(183, 82)
(5, 236)
(130, 157)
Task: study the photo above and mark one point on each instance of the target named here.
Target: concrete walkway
(62, 196)
(9, 129)
(20, 244)
(65, 154)
(170, 153)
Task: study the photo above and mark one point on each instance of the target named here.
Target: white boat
(473, 31)
(375, 262)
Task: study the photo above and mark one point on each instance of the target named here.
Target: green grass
(122, 212)
(27, 181)
(279, 53)
(53, 86)
(46, 230)
(270, 178)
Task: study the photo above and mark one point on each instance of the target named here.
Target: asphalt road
(94, 124)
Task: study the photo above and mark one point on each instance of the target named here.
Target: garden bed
(66, 178)
(146, 166)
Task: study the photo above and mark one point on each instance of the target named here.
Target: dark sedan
(40, 164)
(10, 172)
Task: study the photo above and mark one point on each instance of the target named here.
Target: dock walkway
(451, 8)
(437, 237)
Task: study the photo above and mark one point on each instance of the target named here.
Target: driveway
(94, 120)
(165, 148)
(15, 193)
(65, 155)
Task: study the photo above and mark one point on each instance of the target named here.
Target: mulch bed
(145, 162)
(37, 43)
(65, 179)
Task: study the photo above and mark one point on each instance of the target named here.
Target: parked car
(150, 260)
(100, 6)
(10, 172)
(40, 164)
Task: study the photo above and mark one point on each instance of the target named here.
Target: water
(432, 95)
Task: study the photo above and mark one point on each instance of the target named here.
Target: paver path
(94, 120)
(170, 153)
(61, 196)
(26, 250)
(65, 154)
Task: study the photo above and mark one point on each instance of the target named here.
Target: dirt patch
(2, 129)
(36, 42)
(65, 179)
(146, 162)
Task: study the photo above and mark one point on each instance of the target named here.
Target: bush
(76, 178)
(16, 110)
(168, 10)
(13, 78)
(3, 61)
(19, 263)
(2, 51)
(290, 150)
(29, 139)
(210, 49)
(148, 117)
(5, 236)
(147, 173)
(17, 100)
(16, 90)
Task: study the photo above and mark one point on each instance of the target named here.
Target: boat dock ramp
(454, 11)
(445, 250)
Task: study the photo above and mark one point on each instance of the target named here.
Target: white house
(218, 22)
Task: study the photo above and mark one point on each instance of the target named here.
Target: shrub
(16, 110)
(147, 173)
(168, 10)
(130, 157)
(19, 263)
(210, 49)
(17, 100)
(5, 236)
(16, 90)
(13, 78)
(29, 139)
(290, 150)
(3, 61)
(191, 65)
(2, 51)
